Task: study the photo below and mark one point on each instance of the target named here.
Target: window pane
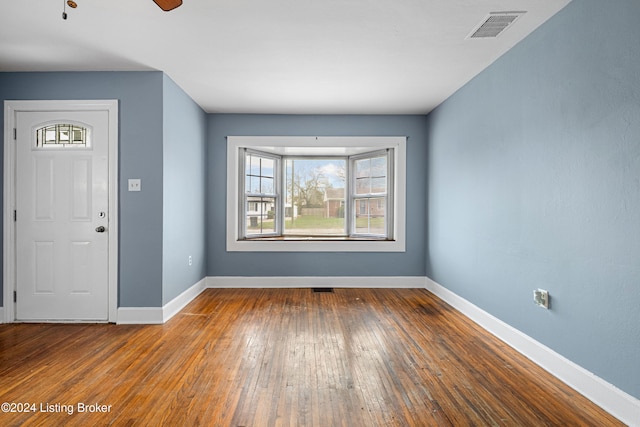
(315, 197)
(78, 136)
(260, 215)
(253, 165)
(363, 207)
(253, 184)
(371, 175)
(267, 167)
(64, 134)
(363, 168)
(379, 185)
(363, 185)
(267, 186)
(379, 166)
(50, 135)
(260, 175)
(61, 136)
(370, 215)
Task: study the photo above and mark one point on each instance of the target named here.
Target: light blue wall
(184, 176)
(222, 263)
(140, 156)
(534, 181)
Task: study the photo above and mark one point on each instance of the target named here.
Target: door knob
(101, 229)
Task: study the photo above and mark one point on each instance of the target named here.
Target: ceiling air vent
(494, 24)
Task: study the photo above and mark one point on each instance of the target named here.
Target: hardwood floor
(284, 357)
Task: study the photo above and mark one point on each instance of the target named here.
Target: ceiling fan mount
(165, 5)
(168, 5)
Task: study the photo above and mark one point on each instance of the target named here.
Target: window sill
(316, 239)
(314, 244)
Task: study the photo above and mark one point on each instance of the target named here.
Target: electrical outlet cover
(541, 298)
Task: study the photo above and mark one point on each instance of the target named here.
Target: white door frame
(9, 194)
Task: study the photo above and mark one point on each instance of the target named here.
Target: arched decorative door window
(63, 135)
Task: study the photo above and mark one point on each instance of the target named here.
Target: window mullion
(277, 201)
(282, 203)
(348, 221)
(243, 198)
(389, 201)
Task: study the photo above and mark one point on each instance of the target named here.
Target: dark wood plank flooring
(284, 357)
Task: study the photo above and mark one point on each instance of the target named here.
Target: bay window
(316, 193)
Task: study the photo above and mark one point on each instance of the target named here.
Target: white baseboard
(159, 315)
(139, 316)
(610, 398)
(174, 306)
(316, 282)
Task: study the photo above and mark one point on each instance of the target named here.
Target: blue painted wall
(223, 263)
(140, 156)
(184, 177)
(534, 181)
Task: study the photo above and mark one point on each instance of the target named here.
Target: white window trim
(234, 143)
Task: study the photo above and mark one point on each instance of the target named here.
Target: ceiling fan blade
(168, 5)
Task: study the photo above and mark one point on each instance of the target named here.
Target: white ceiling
(274, 56)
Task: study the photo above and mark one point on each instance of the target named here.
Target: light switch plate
(135, 185)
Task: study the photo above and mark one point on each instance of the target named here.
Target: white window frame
(286, 158)
(242, 222)
(387, 196)
(315, 146)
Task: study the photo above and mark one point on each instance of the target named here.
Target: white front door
(62, 215)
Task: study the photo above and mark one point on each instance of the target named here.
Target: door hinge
(15, 134)
(15, 296)
(15, 215)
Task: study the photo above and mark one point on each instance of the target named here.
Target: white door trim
(9, 193)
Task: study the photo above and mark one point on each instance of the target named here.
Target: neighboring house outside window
(334, 202)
